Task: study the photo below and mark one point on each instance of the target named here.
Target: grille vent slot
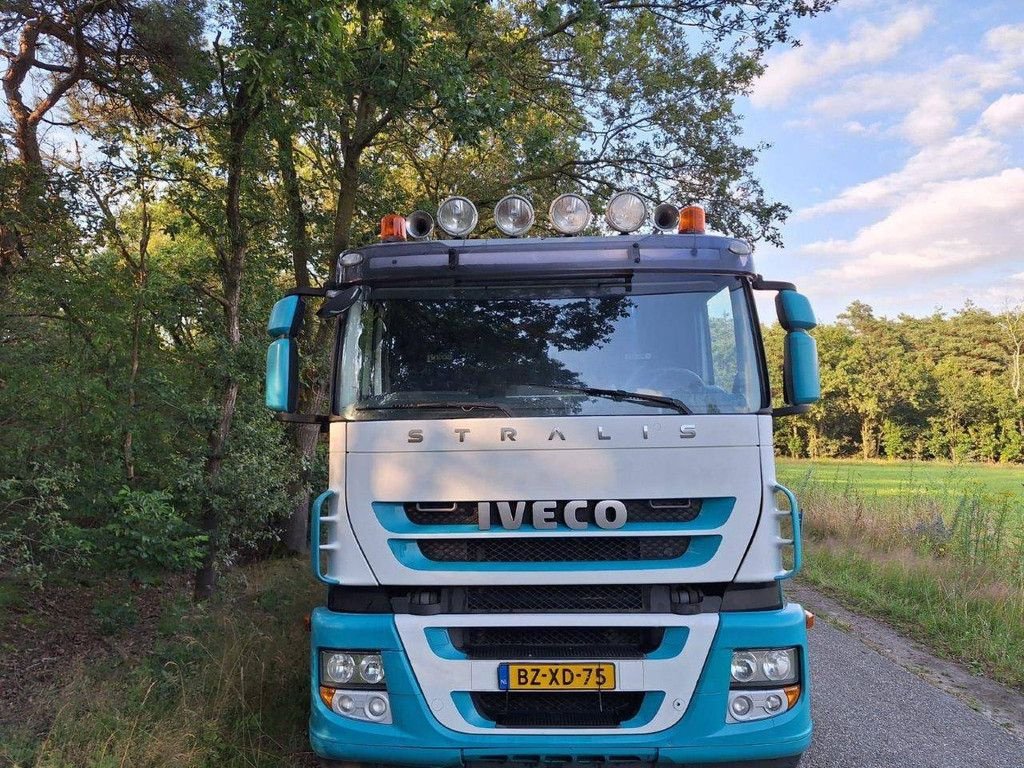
(637, 511)
(554, 549)
(559, 710)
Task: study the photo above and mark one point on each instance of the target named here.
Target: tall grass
(226, 686)
(944, 565)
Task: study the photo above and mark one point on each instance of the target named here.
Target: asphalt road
(870, 712)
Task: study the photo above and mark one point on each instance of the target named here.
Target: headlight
(569, 214)
(775, 666)
(351, 669)
(457, 216)
(338, 667)
(626, 212)
(513, 215)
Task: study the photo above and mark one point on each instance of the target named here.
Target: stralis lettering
(510, 435)
(545, 515)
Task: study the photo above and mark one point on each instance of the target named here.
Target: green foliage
(146, 535)
(940, 387)
(115, 614)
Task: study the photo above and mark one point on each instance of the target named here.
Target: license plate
(556, 677)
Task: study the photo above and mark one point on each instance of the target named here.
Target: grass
(224, 685)
(937, 551)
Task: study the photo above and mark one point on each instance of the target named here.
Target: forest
(947, 386)
(169, 167)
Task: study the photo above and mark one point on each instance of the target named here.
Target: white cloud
(1005, 114)
(961, 157)
(952, 227)
(867, 44)
(931, 100)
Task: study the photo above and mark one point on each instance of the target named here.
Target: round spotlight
(513, 215)
(569, 214)
(457, 216)
(419, 225)
(626, 212)
(666, 217)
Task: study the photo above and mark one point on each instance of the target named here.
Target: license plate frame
(557, 676)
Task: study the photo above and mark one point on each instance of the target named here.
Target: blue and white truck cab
(552, 532)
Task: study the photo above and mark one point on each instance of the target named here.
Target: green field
(886, 479)
(935, 549)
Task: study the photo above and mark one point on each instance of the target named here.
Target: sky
(897, 137)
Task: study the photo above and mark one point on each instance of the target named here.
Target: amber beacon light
(392, 228)
(691, 220)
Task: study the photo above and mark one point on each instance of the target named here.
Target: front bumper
(701, 735)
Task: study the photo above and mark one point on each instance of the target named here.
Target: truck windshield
(664, 346)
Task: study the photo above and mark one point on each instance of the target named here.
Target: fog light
(773, 703)
(740, 706)
(343, 704)
(376, 707)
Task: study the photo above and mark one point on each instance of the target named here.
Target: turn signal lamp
(392, 228)
(691, 220)
(457, 216)
(626, 212)
(569, 214)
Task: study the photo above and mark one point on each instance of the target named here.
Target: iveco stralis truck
(552, 532)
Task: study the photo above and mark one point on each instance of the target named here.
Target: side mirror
(282, 386)
(801, 384)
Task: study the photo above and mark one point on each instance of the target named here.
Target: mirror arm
(760, 284)
(790, 410)
(305, 418)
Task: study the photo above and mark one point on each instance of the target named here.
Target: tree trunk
(232, 262)
(318, 400)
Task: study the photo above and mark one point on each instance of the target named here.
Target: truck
(552, 532)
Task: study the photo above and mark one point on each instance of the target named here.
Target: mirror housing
(801, 383)
(282, 382)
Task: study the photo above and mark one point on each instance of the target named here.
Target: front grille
(637, 511)
(556, 642)
(569, 598)
(559, 710)
(554, 549)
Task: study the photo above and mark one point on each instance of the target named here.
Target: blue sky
(897, 133)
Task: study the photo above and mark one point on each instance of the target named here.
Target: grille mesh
(554, 549)
(556, 710)
(556, 642)
(637, 511)
(569, 598)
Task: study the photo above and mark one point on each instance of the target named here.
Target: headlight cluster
(772, 666)
(352, 684)
(764, 683)
(351, 669)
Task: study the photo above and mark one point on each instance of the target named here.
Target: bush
(146, 535)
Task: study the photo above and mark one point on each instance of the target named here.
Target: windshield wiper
(437, 405)
(621, 394)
